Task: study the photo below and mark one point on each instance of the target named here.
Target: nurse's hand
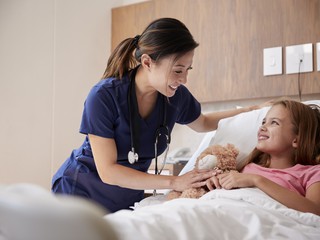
(194, 178)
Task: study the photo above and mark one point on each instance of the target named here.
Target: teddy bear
(216, 157)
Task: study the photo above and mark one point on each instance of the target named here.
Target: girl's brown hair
(163, 37)
(306, 121)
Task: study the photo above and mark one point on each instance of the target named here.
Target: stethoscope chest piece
(132, 156)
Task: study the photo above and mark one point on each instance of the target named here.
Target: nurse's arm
(105, 157)
(209, 121)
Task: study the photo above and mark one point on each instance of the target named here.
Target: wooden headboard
(228, 64)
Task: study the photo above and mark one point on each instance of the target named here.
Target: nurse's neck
(146, 95)
(144, 90)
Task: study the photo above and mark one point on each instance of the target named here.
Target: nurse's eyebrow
(180, 65)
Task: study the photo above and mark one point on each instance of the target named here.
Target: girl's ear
(295, 142)
(146, 61)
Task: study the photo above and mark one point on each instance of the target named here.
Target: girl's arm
(105, 157)
(309, 203)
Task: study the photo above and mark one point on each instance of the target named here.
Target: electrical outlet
(272, 61)
(299, 58)
(318, 56)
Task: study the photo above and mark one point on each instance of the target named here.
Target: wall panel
(130, 20)
(228, 64)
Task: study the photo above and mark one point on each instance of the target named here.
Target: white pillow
(316, 102)
(241, 131)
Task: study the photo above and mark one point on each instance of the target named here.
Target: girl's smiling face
(168, 74)
(276, 136)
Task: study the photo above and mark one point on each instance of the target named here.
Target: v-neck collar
(154, 116)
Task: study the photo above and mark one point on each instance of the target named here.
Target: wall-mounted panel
(299, 58)
(272, 61)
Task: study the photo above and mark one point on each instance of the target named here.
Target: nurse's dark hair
(163, 37)
(306, 125)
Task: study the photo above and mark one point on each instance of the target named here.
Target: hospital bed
(245, 213)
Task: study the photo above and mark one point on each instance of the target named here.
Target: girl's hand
(194, 178)
(213, 182)
(234, 179)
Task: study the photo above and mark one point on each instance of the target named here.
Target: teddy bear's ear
(208, 162)
(206, 152)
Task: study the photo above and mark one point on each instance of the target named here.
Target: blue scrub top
(106, 114)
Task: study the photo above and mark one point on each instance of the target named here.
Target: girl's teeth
(262, 137)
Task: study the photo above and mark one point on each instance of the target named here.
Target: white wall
(51, 53)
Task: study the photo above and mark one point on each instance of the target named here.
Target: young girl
(285, 163)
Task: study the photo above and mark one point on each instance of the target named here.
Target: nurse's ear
(146, 61)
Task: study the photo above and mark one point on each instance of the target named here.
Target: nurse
(128, 117)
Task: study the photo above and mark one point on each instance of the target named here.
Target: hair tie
(136, 40)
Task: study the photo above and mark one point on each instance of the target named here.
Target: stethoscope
(163, 129)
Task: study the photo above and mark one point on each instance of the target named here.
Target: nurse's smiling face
(169, 73)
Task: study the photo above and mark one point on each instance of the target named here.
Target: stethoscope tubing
(133, 155)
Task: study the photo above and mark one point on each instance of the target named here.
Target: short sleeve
(312, 175)
(99, 114)
(189, 107)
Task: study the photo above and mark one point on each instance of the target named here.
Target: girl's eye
(274, 122)
(178, 72)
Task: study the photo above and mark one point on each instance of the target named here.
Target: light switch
(272, 61)
(318, 56)
(297, 53)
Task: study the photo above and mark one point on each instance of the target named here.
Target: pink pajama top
(297, 178)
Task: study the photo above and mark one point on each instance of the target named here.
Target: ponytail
(121, 59)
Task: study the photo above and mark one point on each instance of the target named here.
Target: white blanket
(220, 214)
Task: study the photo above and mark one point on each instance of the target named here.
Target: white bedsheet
(220, 214)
